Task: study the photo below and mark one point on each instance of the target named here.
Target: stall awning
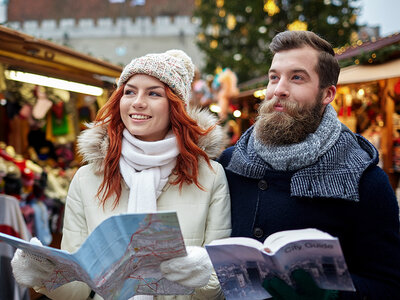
(27, 53)
(365, 73)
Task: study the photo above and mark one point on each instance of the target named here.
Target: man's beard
(290, 126)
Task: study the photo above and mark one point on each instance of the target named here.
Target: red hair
(187, 133)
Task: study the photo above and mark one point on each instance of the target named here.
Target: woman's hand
(193, 270)
(29, 269)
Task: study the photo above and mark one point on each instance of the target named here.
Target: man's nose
(281, 89)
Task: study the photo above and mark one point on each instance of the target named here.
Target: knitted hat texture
(173, 67)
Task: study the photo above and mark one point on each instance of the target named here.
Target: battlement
(107, 27)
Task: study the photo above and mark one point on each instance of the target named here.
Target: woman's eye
(155, 94)
(129, 92)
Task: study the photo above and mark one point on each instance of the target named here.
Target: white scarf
(145, 167)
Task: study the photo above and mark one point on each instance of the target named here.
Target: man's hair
(327, 68)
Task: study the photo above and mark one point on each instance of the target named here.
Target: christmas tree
(236, 34)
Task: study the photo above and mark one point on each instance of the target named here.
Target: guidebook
(242, 264)
(120, 258)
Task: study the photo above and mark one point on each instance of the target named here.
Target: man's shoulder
(226, 156)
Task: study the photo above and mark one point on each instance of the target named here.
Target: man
(299, 167)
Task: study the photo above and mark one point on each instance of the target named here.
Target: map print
(120, 258)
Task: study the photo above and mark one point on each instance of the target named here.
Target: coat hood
(93, 142)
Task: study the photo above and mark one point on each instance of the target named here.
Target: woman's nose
(139, 101)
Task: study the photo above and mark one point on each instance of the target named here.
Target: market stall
(47, 93)
(368, 102)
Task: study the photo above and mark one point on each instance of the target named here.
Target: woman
(146, 153)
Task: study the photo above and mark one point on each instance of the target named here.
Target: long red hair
(184, 127)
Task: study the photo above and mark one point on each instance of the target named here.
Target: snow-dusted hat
(174, 68)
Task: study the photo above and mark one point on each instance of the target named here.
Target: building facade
(111, 30)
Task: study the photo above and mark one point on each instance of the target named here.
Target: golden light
(237, 113)
(215, 30)
(213, 44)
(231, 22)
(220, 3)
(360, 92)
(297, 25)
(197, 3)
(214, 108)
(348, 99)
(222, 13)
(271, 8)
(260, 94)
(54, 83)
(201, 37)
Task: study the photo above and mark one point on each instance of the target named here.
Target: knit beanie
(174, 68)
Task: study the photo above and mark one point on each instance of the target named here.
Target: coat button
(262, 185)
(258, 232)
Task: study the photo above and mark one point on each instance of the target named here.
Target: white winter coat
(203, 215)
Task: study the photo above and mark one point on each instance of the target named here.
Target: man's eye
(297, 77)
(273, 77)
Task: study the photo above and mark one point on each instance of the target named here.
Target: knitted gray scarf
(296, 156)
(335, 173)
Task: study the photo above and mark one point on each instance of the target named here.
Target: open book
(120, 258)
(242, 264)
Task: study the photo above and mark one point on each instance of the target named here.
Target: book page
(238, 241)
(276, 240)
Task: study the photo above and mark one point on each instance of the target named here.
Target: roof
(365, 73)
(19, 11)
(25, 52)
(369, 46)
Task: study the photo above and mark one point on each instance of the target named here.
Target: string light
(237, 113)
(271, 8)
(260, 93)
(298, 25)
(54, 83)
(214, 108)
(231, 22)
(213, 44)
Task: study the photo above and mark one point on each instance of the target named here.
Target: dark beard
(289, 127)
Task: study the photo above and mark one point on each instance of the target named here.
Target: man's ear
(329, 94)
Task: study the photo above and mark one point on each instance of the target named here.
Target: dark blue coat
(368, 229)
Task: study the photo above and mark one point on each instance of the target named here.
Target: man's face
(293, 103)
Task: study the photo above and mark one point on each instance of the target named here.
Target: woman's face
(144, 108)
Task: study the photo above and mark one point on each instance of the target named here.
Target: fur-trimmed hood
(93, 142)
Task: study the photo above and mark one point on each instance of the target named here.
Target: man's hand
(306, 289)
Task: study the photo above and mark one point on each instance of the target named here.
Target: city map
(120, 258)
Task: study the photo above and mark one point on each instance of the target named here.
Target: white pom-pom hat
(173, 67)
